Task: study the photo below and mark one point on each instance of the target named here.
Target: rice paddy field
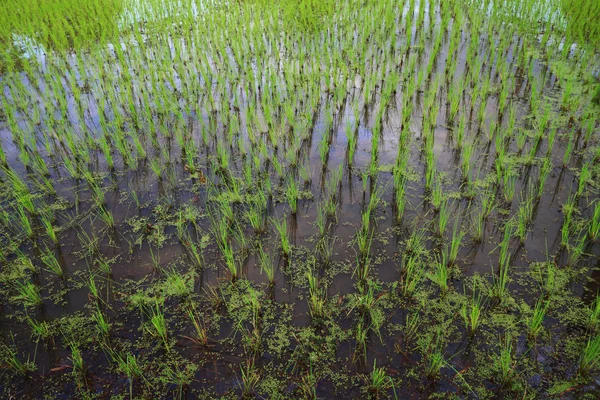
(299, 199)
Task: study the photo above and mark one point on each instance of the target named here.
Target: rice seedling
(40, 330)
(594, 224)
(435, 361)
(50, 231)
(317, 297)
(292, 195)
(576, 251)
(535, 321)
(590, 356)
(101, 321)
(267, 265)
(25, 223)
(230, 260)
(157, 325)
(250, 378)
(443, 218)
(441, 274)
(53, 264)
(180, 376)
(471, 311)
(78, 366)
(411, 275)
(501, 280)
(28, 293)
(12, 360)
(506, 361)
(378, 381)
(107, 217)
(128, 365)
(282, 230)
(200, 333)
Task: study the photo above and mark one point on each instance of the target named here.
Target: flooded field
(299, 199)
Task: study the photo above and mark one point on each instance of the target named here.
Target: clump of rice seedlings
(506, 360)
(104, 265)
(590, 356)
(157, 325)
(317, 297)
(455, 242)
(566, 230)
(361, 336)
(194, 250)
(89, 244)
(508, 187)
(49, 229)
(443, 218)
(500, 280)
(256, 214)
(212, 296)
(535, 321)
(468, 151)
(157, 168)
(53, 264)
(325, 249)
(28, 293)
(25, 223)
(568, 152)
(411, 275)
(267, 265)
(106, 216)
(128, 365)
(177, 284)
(135, 196)
(228, 254)
(10, 358)
(180, 377)
(292, 195)
(284, 241)
(250, 378)
(411, 327)
(543, 177)
(322, 220)
(200, 333)
(155, 258)
(101, 321)
(434, 360)
(594, 224)
(430, 169)
(436, 196)
(471, 311)
(400, 183)
(522, 219)
(478, 226)
(308, 384)
(40, 330)
(441, 274)
(585, 175)
(594, 313)
(94, 293)
(78, 366)
(577, 250)
(378, 381)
